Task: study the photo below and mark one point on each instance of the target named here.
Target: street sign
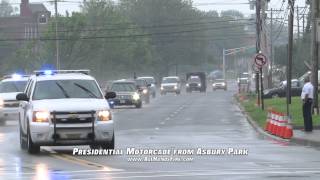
(260, 60)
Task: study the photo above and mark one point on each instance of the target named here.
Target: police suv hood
(169, 84)
(70, 105)
(9, 96)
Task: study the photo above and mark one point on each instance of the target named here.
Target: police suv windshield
(170, 80)
(124, 87)
(60, 89)
(12, 86)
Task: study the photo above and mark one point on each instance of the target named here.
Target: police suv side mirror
(22, 97)
(110, 95)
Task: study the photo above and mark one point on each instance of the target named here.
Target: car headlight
(187, 85)
(135, 96)
(145, 91)
(223, 84)
(213, 84)
(199, 84)
(104, 115)
(41, 116)
(175, 87)
(161, 88)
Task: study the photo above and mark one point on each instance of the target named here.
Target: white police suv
(10, 86)
(64, 107)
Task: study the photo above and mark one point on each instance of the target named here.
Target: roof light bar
(51, 72)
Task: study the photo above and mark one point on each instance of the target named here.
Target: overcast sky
(218, 5)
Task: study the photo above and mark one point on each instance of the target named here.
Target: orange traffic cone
(281, 124)
(283, 129)
(271, 125)
(276, 124)
(268, 121)
(289, 131)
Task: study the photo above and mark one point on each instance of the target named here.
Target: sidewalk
(306, 138)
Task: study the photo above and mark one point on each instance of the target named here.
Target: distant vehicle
(144, 87)
(170, 84)
(10, 86)
(64, 107)
(202, 77)
(244, 77)
(127, 94)
(219, 84)
(150, 80)
(280, 91)
(193, 84)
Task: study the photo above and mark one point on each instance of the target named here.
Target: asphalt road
(177, 122)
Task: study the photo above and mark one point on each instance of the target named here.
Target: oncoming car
(127, 94)
(143, 86)
(64, 108)
(10, 86)
(170, 84)
(219, 84)
(150, 80)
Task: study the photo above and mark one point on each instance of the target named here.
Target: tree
(5, 9)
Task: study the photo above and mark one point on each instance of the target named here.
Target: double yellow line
(82, 162)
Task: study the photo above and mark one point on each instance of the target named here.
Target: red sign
(260, 60)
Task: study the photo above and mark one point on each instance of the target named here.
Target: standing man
(307, 97)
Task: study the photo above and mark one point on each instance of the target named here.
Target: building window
(43, 19)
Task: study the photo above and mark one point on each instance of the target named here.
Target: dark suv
(127, 94)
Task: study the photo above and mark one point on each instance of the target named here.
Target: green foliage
(149, 37)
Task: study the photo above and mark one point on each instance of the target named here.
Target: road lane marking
(167, 119)
(162, 123)
(79, 161)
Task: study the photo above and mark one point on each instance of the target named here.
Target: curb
(257, 128)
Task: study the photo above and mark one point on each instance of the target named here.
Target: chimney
(24, 9)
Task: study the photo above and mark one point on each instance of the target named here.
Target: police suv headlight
(223, 84)
(104, 115)
(175, 87)
(187, 85)
(145, 91)
(161, 88)
(213, 85)
(41, 116)
(199, 84)
(135, 96)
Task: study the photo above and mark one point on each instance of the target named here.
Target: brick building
(29, 24)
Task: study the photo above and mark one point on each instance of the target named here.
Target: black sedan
(280, 91)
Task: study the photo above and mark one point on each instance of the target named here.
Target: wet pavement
(210, 121)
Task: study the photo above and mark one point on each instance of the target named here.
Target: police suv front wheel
(109, 145)
(32, 148)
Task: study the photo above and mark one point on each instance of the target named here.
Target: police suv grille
(11, 104)
(73, 117)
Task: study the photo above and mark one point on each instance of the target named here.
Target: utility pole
(290, 47)
(57, 38)
(271, 49)
(315, 53)
(298, 22)
(258, 48)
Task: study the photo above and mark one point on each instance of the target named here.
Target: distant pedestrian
(307, 98)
